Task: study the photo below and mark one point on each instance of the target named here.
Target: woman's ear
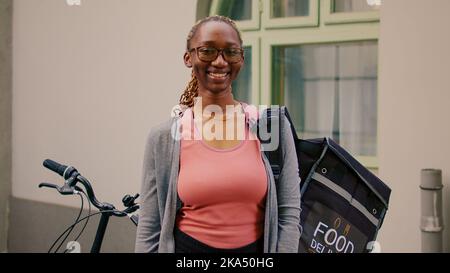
(187, 59)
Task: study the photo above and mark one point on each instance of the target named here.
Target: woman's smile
(218, 76)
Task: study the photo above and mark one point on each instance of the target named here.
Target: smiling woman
(205, 38)
(218, 60)
(216, 194)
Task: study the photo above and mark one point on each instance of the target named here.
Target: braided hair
(191, 90)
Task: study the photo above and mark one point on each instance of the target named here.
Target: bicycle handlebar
(91, 195)
(72, 177)
(55, 166)
(65, 171)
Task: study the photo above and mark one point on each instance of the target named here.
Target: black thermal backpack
(343, 203)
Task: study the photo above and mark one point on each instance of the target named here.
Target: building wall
(5, 116)
(414, 97)
(89, 82)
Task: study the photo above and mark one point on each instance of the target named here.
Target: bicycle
(72, 177)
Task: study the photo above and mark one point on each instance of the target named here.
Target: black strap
(275, 157)
(291, 124)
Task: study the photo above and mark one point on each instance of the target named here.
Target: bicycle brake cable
(67, 230)
(85, 223)
(90, 215)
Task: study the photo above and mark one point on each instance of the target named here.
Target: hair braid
(191, 90)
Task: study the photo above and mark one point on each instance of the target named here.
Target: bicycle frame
(100, 232)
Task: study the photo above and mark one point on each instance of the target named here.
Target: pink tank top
(223, 190)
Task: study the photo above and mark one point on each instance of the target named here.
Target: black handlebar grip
(55, 166)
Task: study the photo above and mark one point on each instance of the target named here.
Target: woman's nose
(219, 61)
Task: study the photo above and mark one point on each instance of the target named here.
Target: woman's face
(216, 75)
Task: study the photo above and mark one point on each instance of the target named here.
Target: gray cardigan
(159, 199)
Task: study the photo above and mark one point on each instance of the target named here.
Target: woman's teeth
(218, 75)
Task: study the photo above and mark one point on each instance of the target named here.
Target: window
(240, 10)
(319, 58)
(242, 86)
(330, 90)
(351, 11)
(244, 12)
(290, 8)
(353, 5)
(290, 13)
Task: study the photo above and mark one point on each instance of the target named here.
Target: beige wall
(89, 82)
(414, 111)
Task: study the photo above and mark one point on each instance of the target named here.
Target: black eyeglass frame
(219, 51)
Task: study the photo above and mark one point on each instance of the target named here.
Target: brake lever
(64, 190)
(48, 185)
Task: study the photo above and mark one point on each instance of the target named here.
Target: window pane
(330, 91)
(242, 86)
(355, 5)
(236, 9)
(289, 8)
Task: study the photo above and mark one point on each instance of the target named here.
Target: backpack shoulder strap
(284, 112)
(268, 117)
(275, 156)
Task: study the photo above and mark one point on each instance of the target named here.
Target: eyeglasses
(209, 54)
